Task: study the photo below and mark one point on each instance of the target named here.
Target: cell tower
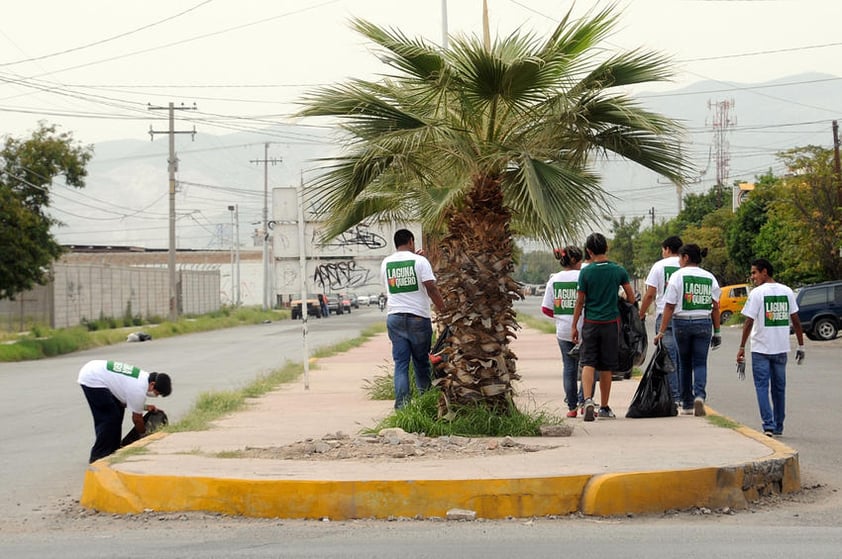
(722, 121)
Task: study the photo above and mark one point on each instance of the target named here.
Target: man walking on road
(656, 285)
(411, 285)
(597, 297)
(110, 387)
(769, 309)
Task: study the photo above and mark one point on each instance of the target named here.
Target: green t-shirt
(600, 282)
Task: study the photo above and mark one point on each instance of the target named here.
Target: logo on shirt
(564, 297)
(776, 310)
(668, 272)
(122, 369)
(698, 294)
(400, 276)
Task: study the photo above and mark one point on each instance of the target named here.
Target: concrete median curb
(110, 490)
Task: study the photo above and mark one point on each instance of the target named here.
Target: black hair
(596, 243)
(763, 264)
(568, 256)
(403, 237)
(672, 243)
(163, 384)
(693, 252)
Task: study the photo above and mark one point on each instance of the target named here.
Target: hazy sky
(93, 65)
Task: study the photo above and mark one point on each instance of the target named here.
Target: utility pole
(652, 215)
(235, 254)
(837, 169)
(173, 167)
(444, 24)
(267, 277)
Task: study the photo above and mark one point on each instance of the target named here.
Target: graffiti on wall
(334, 276)
(359, 235)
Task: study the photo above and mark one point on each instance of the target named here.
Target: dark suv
(820, 309)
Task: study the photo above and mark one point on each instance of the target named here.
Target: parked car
(334, 303)
(364, 300)
(314, 308)
(820, 309)
(355, 300)
(732, 300)
(346, 302)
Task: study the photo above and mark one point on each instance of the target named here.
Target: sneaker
(778, 433)
(699, 407)
(606, 413)
(572, 413)
(768, 434)
(686, 411)
(589, 410)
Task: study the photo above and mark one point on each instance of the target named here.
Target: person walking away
(558, 303)
(691, 303)
(600, 336)
(110, 387)
(411, 285)
(769, 310)
(656, 285)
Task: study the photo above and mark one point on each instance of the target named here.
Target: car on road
(314, 307)
(334, 303)
(346, 302)
(364, 300)
(820, 309)
(354, 299)
(732, 300)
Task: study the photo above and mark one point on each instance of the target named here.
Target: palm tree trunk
(478, 290)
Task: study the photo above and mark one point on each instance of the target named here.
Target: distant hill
(126, 201)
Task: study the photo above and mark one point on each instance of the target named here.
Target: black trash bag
(652, 397)
(633, 339)
(153, 420)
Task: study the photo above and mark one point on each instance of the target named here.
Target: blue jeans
(769, 371)
(411, 338)
(668, 341)
(570, 371)
(692, 338)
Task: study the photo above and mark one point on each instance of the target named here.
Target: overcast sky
(93, 65)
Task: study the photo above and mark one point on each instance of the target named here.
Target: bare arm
(434, 294)
(629, 293)
(577, 312)
(648, 297)
(139, 425)
(669, 308)
(741, 352)
(796, 326)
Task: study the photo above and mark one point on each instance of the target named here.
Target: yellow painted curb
(120, 492)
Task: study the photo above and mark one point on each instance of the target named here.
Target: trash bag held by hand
(633, 339)
(153, 420)
(652, 397)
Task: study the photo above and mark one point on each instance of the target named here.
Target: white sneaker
(699, 407)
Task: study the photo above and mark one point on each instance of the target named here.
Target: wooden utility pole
(173, 167)
(836, 166)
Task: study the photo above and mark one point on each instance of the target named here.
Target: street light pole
(233, 284)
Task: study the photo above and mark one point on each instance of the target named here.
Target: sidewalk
(608, 467)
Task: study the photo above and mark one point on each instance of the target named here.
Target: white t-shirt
(404, 274)
(658, 278)
(560, 297)
(128, 384)
(692, 290)
(770, 306)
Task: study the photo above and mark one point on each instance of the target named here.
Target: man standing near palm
(411, 285)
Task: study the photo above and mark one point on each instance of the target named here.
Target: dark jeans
(411, 338)
(693, 340)
(108, 421)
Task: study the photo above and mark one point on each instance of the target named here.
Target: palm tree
(479, 142)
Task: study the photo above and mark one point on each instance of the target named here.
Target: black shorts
(601, 345)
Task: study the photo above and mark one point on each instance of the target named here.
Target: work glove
(799, 355)
(741, 370)
(715, 342)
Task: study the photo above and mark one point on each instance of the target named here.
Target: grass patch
(724, 422)
(541, 324)
(420, 416)
(127, 452)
